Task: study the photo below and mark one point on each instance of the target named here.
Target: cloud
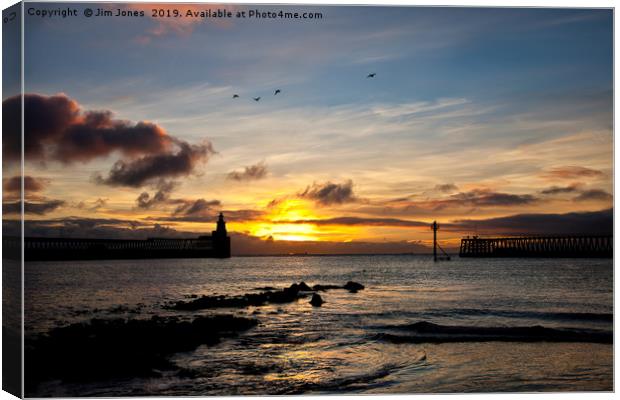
(577, 223)
(446, 188)
(97, 228)
(253, 172)
(209, 214)
(46, 118)
(330, 193)
(594, 195)
(37, 208)
(164, 189)
(400, 110)
(59, 130)
(96, 205)
(243, 244)
(145, 170)
(476, 198)
(582, 195)
(358, 221)
(31, 184)
(560, 190)
(96, 134)
(572, 172)
(479, 198)
(198, 207)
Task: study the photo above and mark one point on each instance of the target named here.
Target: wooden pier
(538, 246)
(216, 245)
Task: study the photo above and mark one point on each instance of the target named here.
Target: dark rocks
(205, 302)
(265, 288)
(287, 295)
(316, 300)
(324, 288)
(119, 348)
(353, 286)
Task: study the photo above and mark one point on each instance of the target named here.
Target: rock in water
(353, 286)
(303, 287)
(316, 301)
(323, 288)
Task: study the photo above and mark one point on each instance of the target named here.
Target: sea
(341, 347)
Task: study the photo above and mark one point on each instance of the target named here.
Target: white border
(470, 3)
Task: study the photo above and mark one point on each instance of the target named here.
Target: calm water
(333, 349)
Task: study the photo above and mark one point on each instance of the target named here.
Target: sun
(282, 222)
(294, 232)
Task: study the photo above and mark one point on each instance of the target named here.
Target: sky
(490, 121)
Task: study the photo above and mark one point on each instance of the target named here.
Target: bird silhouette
(235, 96)
(371, 75)
(277, 91)
(256, 98)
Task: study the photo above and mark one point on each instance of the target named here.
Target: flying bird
(277, 91)
(256, 98)
(235, 96)
(371, 75)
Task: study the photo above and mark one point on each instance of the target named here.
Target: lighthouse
(221, 241)
(221, 227)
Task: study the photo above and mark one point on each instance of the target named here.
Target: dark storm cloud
(144, 170)
(594, 194)
(330, 193)
(358, 221)
(46, 119)
(251, 173)
(446, 188)
(585, 223)
(57, 129)
(31, 184)
(37, 208)
(98, 135)
(572, 172)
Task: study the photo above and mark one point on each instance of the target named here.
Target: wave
(342, 384)
(427, 332)
(545, 315)
(586, 317)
